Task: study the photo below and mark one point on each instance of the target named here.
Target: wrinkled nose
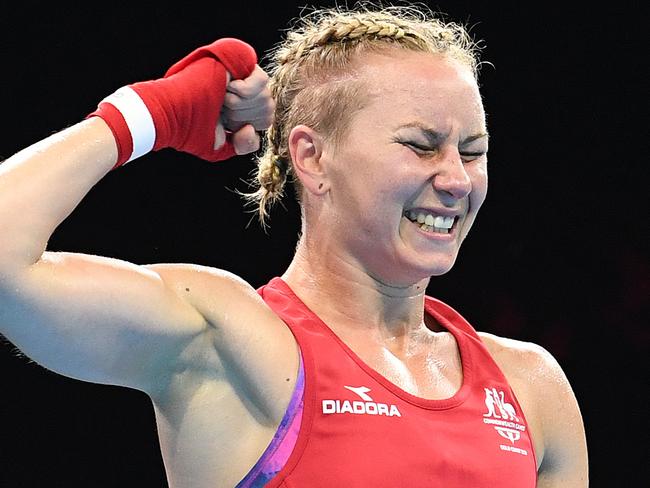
(452, 178)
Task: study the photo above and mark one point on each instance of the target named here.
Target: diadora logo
(366, 407)
(503, 417)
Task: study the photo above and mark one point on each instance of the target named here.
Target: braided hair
(311, 83)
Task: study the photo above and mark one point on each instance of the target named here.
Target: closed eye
(422, 149)
(418, 148)
(471, 156)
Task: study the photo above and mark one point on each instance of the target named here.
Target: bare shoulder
(214, 292)
(525, 361)
(515, 354)
(232, 307)
(530, 363)
(193, 280)
(550, 406)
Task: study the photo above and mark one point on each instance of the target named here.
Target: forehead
(432, 87)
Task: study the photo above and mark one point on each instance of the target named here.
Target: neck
(347, 297)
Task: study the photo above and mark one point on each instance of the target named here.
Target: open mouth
(428, 222)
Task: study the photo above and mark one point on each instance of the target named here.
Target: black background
(558, 255)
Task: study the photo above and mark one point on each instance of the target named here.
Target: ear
(306, 148)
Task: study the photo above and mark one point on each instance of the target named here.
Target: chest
(436, 373)
(452, 422)
(423, 371)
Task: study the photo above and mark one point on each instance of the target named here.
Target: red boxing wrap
(184, 105)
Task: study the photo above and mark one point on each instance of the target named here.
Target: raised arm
(95, 318)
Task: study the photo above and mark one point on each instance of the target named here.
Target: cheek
(374, 184)
(479, 178)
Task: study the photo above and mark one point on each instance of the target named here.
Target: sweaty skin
(202, 344)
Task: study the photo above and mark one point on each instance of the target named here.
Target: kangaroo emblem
(496, 401)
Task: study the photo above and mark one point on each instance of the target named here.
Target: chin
(440, 267)
(440, 270)
(432, 263)
(407, 273)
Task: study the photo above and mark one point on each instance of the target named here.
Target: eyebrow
(435, 137)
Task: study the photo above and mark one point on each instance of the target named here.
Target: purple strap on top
(277, 453)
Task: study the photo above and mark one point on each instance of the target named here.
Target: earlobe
(306, 148)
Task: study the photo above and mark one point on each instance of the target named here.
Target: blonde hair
(309, 84)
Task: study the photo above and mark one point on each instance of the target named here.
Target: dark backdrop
(557, 257)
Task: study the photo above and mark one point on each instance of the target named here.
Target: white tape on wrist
(137, 117)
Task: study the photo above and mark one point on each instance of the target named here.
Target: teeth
(428, 228)
(438, 222)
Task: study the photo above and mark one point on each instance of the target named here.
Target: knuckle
(230, 99)
(237, 87)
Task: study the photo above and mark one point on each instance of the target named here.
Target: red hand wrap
(186, 103)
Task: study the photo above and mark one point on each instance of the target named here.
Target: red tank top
(359, 430)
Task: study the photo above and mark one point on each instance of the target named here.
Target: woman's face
(411, 163)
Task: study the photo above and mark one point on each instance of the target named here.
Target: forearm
(42, 184)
